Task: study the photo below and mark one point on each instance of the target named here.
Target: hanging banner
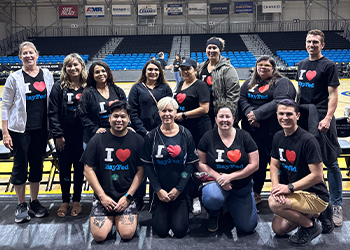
(272, 7)
(94, 11)
(197, 8)
(121, 10)
(68, 11)
(147, 10)
(173, 9)
(244, 7)
(219, 8)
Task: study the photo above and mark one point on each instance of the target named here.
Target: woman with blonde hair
(67, 129)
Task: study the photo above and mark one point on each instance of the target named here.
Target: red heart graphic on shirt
(311, 74)
(180, 97)
(209, 80)
(291, 156)
(78, 96)
(262, 89)
(123, 154)
(234, 155)
(174, 150)
(111, 102)
(39, 86)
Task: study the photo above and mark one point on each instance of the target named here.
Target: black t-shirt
(295, 152)
(36, 100)
(115, 161)
(206, 77)
(162, 63)
(230, 159)
(176, 63)
(313, 78)
(73, 97)
(189, 99)
(104, 107)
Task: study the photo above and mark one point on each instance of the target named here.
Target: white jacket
(14, 100)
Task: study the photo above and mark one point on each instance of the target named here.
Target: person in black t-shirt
(113, 168)
(318, 99)
(176, 69)
(67, 130)
(161, 60)
(297, 152)
(169, 158)
(230, 156)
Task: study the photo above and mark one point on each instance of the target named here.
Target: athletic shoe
(257, 198)
(196, 207)
(37, 209)
(338, 216)
(305, 235)
(213, 224)
(22, 213)
(326, 219)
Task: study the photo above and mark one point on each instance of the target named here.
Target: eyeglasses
(264, 65)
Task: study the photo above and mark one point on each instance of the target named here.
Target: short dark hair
(120, 105)
(289, 103)
(317, 33)
(222, 105)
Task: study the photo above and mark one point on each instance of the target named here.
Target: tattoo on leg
(99, 221)
(127, 219)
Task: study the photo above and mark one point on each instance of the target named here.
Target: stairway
(181, 45)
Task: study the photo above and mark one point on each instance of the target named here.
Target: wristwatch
(184, 116)
(129, 196)
(291, 187)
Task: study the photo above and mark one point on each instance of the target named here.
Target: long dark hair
(161, 78)
(256, 78)
(179, 60)
(91, 80)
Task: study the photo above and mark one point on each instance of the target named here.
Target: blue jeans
(335, 183)
(240, 202)
(177, 78)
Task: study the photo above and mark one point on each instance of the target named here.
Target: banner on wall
(147, 10)
(219, 8)
(68, 11)
(197, 8)
(244, 7)
(94, 11)
(121, 10)
(272, 7)
(173, 9)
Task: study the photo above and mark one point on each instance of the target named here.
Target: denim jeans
(335, 183)
(241, 204)
(177, 78)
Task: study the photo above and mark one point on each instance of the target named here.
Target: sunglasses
(264, 65)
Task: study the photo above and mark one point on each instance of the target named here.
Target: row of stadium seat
(130, 61)
(41, 59)
(239, 59)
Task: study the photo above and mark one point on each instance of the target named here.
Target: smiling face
(100, 74)
(152, 72)
(314, 45)
(119, 120)
(73, 68)
(287, 118)
(264, 69)
(213, 52)
(28, 56)
(224, 119)
(188, 73)
(167, 115)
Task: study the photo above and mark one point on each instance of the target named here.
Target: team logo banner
(244, 7)
(121, 10)
(219, 8)
(94, 11)
(272, 7)
(147, 10)
(173, 9)
(68, 11)
(197, 8)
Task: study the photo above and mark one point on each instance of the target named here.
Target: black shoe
(305, 235)
(37, 209)
(22, 213)
(213, 223)
(326, 219)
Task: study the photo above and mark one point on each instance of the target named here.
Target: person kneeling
(113, 168)
(297, 204)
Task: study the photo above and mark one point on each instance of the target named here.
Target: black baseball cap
(188, 62)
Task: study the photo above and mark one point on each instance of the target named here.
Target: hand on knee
(273, 204)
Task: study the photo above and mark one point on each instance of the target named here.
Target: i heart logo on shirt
(209, 80)
(39, 86)
(174, 150)
(234, 155)
(181, 97)
(111, 102)
(78, 96)
(311, 74)
(262, 89)
(123, 155)
(291, 156)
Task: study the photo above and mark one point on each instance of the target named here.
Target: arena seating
(239, 59)
(130, 61)
(42, 59)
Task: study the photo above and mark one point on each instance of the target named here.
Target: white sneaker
(196, 208)
(338, 216)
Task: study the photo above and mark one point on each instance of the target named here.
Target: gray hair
(165, 101)
(29, 44)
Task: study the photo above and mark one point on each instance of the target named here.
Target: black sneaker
(213, 223)
(22, 213)
(305, 235)
(37, 209)
(326, 219)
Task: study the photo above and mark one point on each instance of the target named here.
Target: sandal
(76, 209)
(62, 211)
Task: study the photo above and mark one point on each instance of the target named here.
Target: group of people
(188, 144)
